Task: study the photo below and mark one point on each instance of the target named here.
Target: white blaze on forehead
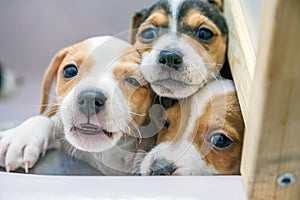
(106, 51)
(203, 97)
(175, 8)
(95, 42)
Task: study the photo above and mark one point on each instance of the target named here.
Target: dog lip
(90, 129)
(170, 81)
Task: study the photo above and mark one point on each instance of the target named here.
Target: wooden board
(272, 137)
(241, 54)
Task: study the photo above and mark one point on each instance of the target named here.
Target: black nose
(170, 59)
(161, 167)
(90, 101)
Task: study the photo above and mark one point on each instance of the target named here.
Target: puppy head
(203, 135)
(183, 44)
(100, 92)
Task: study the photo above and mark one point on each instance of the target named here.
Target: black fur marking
(211, 11)
(167, 102)
(145, 13)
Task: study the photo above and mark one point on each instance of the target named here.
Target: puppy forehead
(108, 49)
(78, 52)
(106, 53)
(178, 10)
(206, 97)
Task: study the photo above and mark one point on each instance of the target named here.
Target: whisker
(137, 114)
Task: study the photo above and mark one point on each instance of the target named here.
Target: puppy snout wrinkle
(161, 167)
(90, 102)
(170, 59)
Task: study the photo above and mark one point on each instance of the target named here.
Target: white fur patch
(175, 8)
(184, 156)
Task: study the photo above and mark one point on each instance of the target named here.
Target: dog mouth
(90, 129)
(174, 89)
(171, 83)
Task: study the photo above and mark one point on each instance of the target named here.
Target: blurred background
(32, 31)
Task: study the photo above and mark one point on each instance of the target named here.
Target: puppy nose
(90, 101)
(170, 59)
(161, 167)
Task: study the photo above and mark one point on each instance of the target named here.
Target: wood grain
(271, 145)
(241, 54)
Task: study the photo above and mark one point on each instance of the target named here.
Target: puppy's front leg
(22, 145)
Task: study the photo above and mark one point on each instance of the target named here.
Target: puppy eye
(205, 34)
(148, 35)
(167, 102)
(166, 125)
(220, 140)
(70, 71)
(132, 82)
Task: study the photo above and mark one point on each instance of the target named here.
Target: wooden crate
(267, 82)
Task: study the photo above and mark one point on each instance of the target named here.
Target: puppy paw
(21, 146)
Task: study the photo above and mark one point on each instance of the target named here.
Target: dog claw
(44, 148)
(43, 153)
(26, 167)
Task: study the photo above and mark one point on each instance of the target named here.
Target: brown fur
(178, 121)
(230, 122)
(216, 47)
(139, 99)
(75, 54)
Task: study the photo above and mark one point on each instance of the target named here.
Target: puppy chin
(92, 143)
(174, 89)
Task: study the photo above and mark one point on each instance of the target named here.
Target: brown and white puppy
(202, 136)
(183, 44)
(102, 100)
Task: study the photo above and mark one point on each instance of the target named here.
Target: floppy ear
(137, 19)
(49, 76)
(219, 3)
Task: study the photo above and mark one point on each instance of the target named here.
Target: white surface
(21, 186)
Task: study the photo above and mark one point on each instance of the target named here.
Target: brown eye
(166, 125)
(220, 140)
(132, 82)
(205, 34)
(70, 71)
(148, 35)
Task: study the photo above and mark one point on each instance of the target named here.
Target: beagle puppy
(183, 45)
(203, 135)
(102, 101)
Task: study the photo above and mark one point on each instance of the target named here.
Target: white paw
(21, 146)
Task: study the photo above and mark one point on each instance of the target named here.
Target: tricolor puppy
(202, 136)
(102, 99)
(183, 44)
